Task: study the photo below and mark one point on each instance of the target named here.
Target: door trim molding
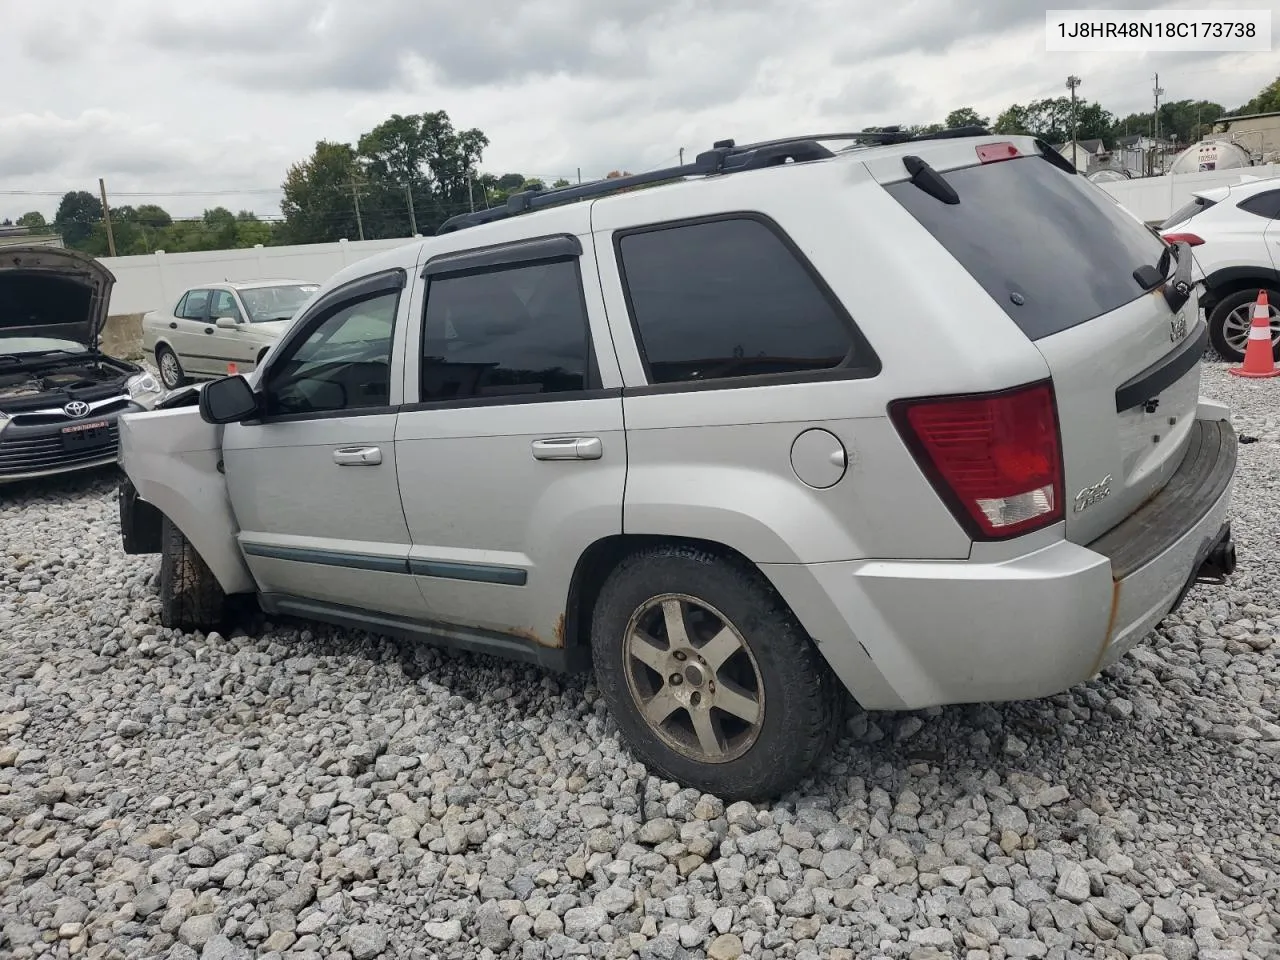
(461, 570)
(382, 563)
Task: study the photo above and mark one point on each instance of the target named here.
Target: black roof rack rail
(725, 156)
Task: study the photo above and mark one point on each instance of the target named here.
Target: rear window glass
(1048, 246)
(1188, 210)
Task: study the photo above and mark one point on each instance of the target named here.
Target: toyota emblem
(76, 409)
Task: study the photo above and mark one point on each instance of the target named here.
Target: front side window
(505, 332)
(727, 298)
(342, 364)
(195, 306)
(224, 305)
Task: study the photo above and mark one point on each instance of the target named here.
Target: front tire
(1230, 318)
(712, 681)
(171, 373)
(190, 596)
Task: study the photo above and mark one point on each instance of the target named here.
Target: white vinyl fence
(1154, 198)
(156, 280)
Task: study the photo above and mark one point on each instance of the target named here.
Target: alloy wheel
(693, 678)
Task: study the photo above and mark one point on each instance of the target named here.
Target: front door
(227, 346)
(313, 482)
(189, 337)
(514, 459)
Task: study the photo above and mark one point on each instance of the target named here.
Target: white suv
(919, 420)
(1235, 235)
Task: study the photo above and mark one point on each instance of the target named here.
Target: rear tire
(739, 639)
(190, 596)
(1229, 322)
(171, 373)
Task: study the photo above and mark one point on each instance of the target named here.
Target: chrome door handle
(568, 448)
(357, 456)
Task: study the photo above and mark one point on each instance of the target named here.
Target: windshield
(1051, 248)
(1187, 211)
(264, 304)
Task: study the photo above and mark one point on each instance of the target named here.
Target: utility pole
(413, 221)
(106, 218)
(1072, 82)
(579, 176)
(682, 156)
(355, 196)
(1159, 92)
(471, 196)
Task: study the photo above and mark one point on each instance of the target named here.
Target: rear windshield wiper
(930, 180)
(1176, 291)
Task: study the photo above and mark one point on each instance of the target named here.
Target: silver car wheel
(1235, 328)
(170, 370)
(693, 678)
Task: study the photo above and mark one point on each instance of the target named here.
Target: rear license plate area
(85, 436)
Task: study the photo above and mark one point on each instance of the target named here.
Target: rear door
(1057, 254)
(513, 460)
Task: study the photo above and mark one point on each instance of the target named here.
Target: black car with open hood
(60, 396)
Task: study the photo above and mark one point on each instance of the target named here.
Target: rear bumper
(909, 634)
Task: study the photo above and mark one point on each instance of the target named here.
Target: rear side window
(1263, 204)
(727, 298)
(507, 332)
(1194, 206)
(1051, 248)
(195, 305)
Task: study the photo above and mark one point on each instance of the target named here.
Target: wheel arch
(1223, 283)
(798, 590)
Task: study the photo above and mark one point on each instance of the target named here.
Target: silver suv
(915, 419)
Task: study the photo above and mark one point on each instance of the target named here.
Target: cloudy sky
(198, 103)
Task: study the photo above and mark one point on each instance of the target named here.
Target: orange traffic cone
(1258, 358)
(231, 368)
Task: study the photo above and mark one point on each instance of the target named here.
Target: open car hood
(78, 294)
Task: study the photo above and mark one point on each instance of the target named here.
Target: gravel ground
(297, 792)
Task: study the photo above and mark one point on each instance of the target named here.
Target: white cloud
(197, 100)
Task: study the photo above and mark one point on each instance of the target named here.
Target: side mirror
(228, 400)
(227, 323)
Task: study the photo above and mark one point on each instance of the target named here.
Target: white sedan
(215, 325)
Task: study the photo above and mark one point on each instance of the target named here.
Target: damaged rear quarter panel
(172, 458)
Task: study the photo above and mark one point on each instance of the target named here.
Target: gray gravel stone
(368, 940)
(276, 787)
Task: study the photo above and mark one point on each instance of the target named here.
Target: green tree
(78, 211)
(1050, 120)
(251, 231)
(33, 221)
(562, 182)
(1267, 100)
(151, 215)
(419, 160)
(966, 117)
(317, 204)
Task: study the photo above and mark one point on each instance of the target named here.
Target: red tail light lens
(996, 459)
(1187, 238)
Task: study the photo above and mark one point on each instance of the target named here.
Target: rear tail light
(1188, 238)
(996, 458)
